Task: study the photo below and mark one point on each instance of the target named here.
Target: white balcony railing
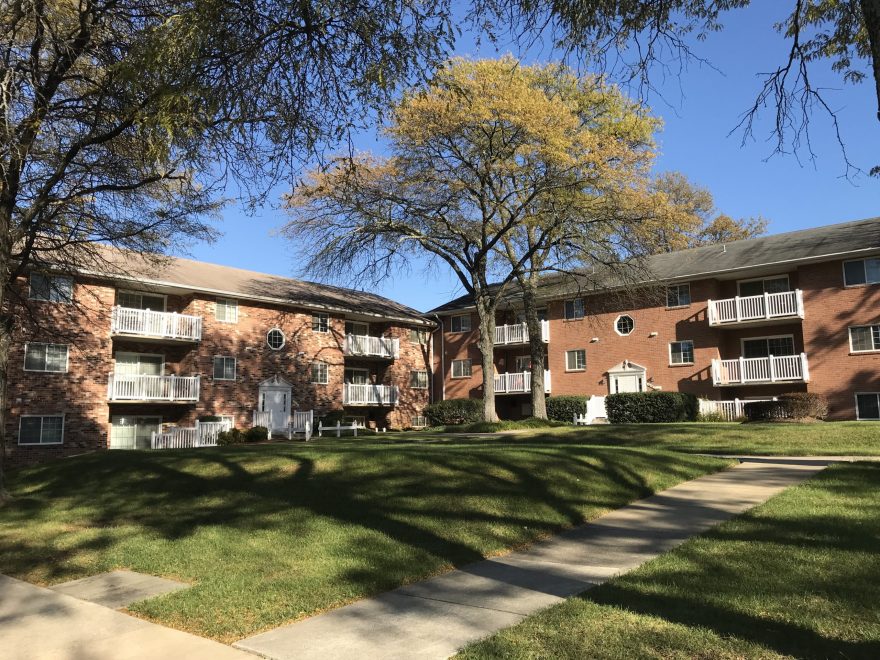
(518, 333)
(153, 388)
(518, 383)
(785, 305)
(147, 323)
(369, 395)
(365, 346)
(203, 434)
(772, 369)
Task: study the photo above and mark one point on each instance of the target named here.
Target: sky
(700, 107)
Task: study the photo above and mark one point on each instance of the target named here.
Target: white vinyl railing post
(742, 369)
(772, 369)
(766, 305)
(736, 305)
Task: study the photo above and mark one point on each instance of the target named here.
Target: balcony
(369, 395)
(759, 371)
(518, 383)
(378, 347)
(141, 388)
(155, 325)
(757, 309)
(518, 333)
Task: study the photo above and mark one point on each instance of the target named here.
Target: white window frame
(869, 350)
(360, 370)
(743, 340)
(41, 444)
(856, 399)
(227, 303)
(326, 367)
(214, 367)
(50, 277)
(470, 368)
(686, 285)
(617, 320)
(132, 292)
(227, 418)
(283, 339)
(416, 424)
(864, 270)
(364, 324)
(573, 301)
(419, 371)
(576, 350)
(682, 341)
(27, 345)
(322, 320)
(464, 323)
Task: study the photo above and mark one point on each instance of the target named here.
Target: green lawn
(268, 534)
(825, 438)
(796, 577)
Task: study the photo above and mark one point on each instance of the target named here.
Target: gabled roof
(787, 249)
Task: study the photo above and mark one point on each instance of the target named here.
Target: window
(224, 368)
(576, 360)
(418, 336)
(865, 338)
(624, 325)
(461, 368)
(354, 328)
(418, 421)
(138, 300)
(320, 373)
(45, 357)
(460, 323)
(765, 285)
(275, 339)
(51, 288)
(41, 430)
(321, 322)
(868, 405)
(574, 309)
(139, 364)
(681, 352)
(861, 271)
(226, 310)
(678, 295)
(418, 379)
(355, 376)
(522, 363)
(766, 346)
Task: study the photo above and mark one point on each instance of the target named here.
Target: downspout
(442, 359)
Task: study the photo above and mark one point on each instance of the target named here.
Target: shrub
(793, 406)
(564, 408)
(210, 418)
(711, 417)
(651, 407)
(230, 437)
(256, 434)
(330, 418)
(455, 411)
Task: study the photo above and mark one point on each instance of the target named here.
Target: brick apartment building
(106, 360)
(791, 312)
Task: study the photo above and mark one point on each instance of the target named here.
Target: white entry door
(628, 383)
(276, 400)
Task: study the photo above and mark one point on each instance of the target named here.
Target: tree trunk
(6, 328)
(536, 348)
(486, 315)
(871, 15)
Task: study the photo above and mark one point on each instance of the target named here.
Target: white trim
(743, 340)
(419, 371)
(856, 400)
(357, 370)
(470, 324)
(470, 368)
(51, 276)
(283, 339)
(763, 279)
(46, 371)
(682, 341)
(869, 350)
(843, 264)
(364, 324)
(326, 373)
(680, 306)
(41, 444)
(163, 296)
(565, 302)
(226, 304)
(617, 320)
(234, 367)
(576, 350)
(324, 318)
(135, 416)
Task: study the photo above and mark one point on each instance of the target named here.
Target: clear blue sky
(699, 109)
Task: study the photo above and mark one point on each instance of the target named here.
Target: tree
(121, 120)
(481, 156)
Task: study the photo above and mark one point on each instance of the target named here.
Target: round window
(624, 325)
(275, 339)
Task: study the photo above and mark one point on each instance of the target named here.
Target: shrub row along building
(105, 360)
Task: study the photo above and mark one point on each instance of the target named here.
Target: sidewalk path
(41, 623)
(433, 619)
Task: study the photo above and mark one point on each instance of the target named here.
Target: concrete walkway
(45, 624)
(435, 618)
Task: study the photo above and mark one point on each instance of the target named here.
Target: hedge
(793, 406)
(651, 407)
(564, 408)
(455, 411)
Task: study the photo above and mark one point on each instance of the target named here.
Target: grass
(272, 533)
(798, 576)
(817, 439)
(504, 425)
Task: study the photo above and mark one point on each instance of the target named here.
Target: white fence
(595, 410)
(299, 422)
(339, 428)
(788, 304)
(203, 434)
(772, 369)
(518, 382)
(152, 388)
(147, 323)
(363, 345)
(369, 395)
(518, 333)
(731, 411)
